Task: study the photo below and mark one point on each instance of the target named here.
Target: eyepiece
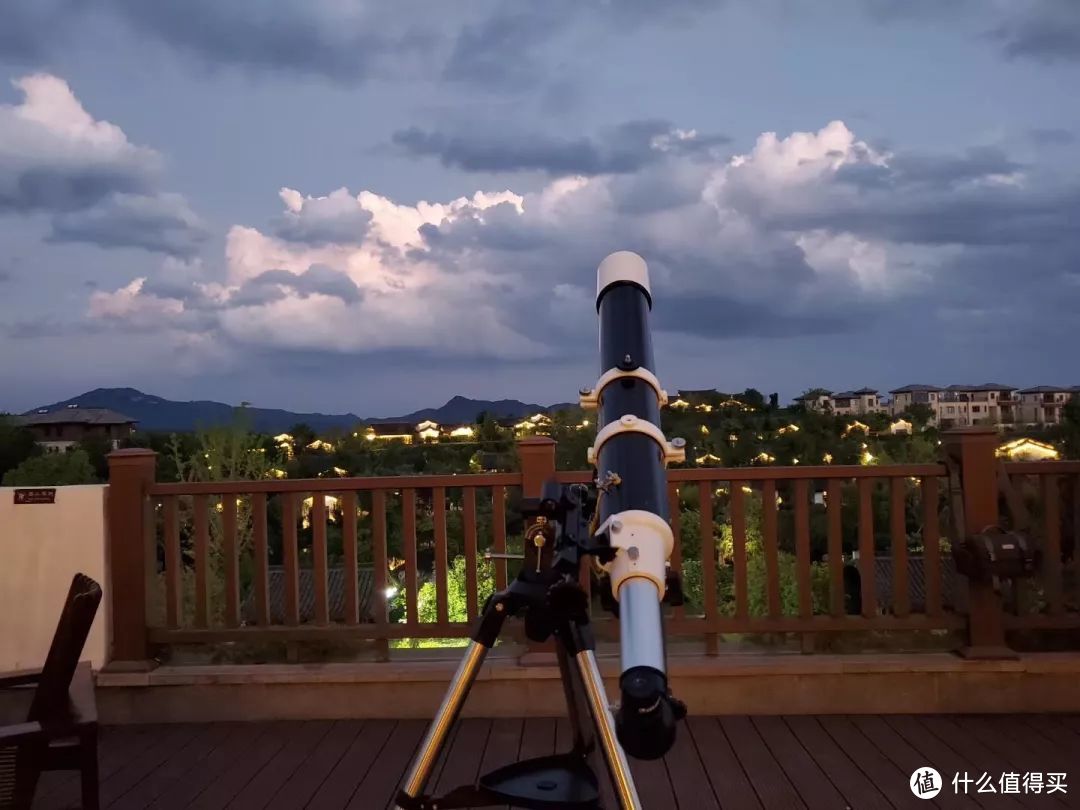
(645, 722)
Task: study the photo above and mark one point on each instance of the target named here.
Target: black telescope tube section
(645, 721)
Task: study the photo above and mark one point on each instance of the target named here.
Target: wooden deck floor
(862, 762)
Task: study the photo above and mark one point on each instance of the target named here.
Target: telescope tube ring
(628, 423)
(590, 400)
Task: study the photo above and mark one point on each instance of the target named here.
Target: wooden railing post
(130, 537)
(972, 451)
(537, 457)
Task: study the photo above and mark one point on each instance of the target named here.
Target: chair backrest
(51, 706)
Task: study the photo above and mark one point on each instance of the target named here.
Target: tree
(97, 449)
(17, 444)
(52, 470)
(919, 414)
(1070, 427)
(753, 398)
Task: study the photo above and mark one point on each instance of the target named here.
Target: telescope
(621, 523)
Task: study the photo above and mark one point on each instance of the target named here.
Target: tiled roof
(335, 595)
(883, 589)
(859, 393)
(79, 416)
(982, 387)
(1051, 389)
(915, 388)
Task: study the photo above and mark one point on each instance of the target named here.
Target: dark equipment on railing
(995, 554)
(623, 526)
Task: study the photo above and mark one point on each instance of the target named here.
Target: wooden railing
(806, 550)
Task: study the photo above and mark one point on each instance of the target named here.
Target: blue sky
(346, 205)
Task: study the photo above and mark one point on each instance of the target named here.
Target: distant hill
(159, 414)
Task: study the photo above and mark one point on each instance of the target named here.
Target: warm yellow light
(464, 430)
(275, 473)
(319, 444)
(331, 502)
(429, 433)
(339, 471)
(584, 422)
(866, 458)
(707, 457)
(764, 458)
(856, 426)
(679, 403)
(827, 458)
(371, 437)
(794, 461)
(1029, 449)
(746, 489)
(788, 429)
(284, 438)
(704, 430)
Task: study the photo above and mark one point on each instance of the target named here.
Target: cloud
(807, 234)
(1051, 136)
(623, 149)
(98, 187)
(1043, 30)
(160, 223)
(337, 217)
(54, 156)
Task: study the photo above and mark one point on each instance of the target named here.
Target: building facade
(59, 430)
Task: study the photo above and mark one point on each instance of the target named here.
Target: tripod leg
(605, 726)
(444, 720)
(573, 698)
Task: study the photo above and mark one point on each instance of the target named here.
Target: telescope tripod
(546, 592)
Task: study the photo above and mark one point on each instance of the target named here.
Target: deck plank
(380, 785)
(309, 776)
(862, 761)
(858, 790)
(689, 781)
(728, 780)
(879, 769)
(351, 769)
(239, 738)
(765, 774)
(944, 760)
(300, 739)
(802, 771)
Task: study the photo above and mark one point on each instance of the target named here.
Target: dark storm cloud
(29, 31)
(1044, 30)
(64, 186)
(316, 280)
(274, 35)
(1052, 136)
(623, 149)
(717, 316)
(161, 224)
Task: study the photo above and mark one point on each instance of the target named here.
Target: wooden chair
(60, 732)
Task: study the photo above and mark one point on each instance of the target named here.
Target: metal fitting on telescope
(590, 397)
(674, 451)
(643, 542)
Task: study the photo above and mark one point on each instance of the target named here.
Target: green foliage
(16, 444)
(757, 585)
(456, 593)
(97, 449)
(52, 470)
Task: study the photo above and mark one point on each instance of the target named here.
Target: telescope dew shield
(633, 513)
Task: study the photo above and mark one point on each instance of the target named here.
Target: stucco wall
(42, 546)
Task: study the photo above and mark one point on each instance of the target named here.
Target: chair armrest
(20, 677)
(20, 733)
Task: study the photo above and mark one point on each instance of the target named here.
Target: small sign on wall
(37, 495)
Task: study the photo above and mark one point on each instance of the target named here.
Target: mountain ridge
(156, 413)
